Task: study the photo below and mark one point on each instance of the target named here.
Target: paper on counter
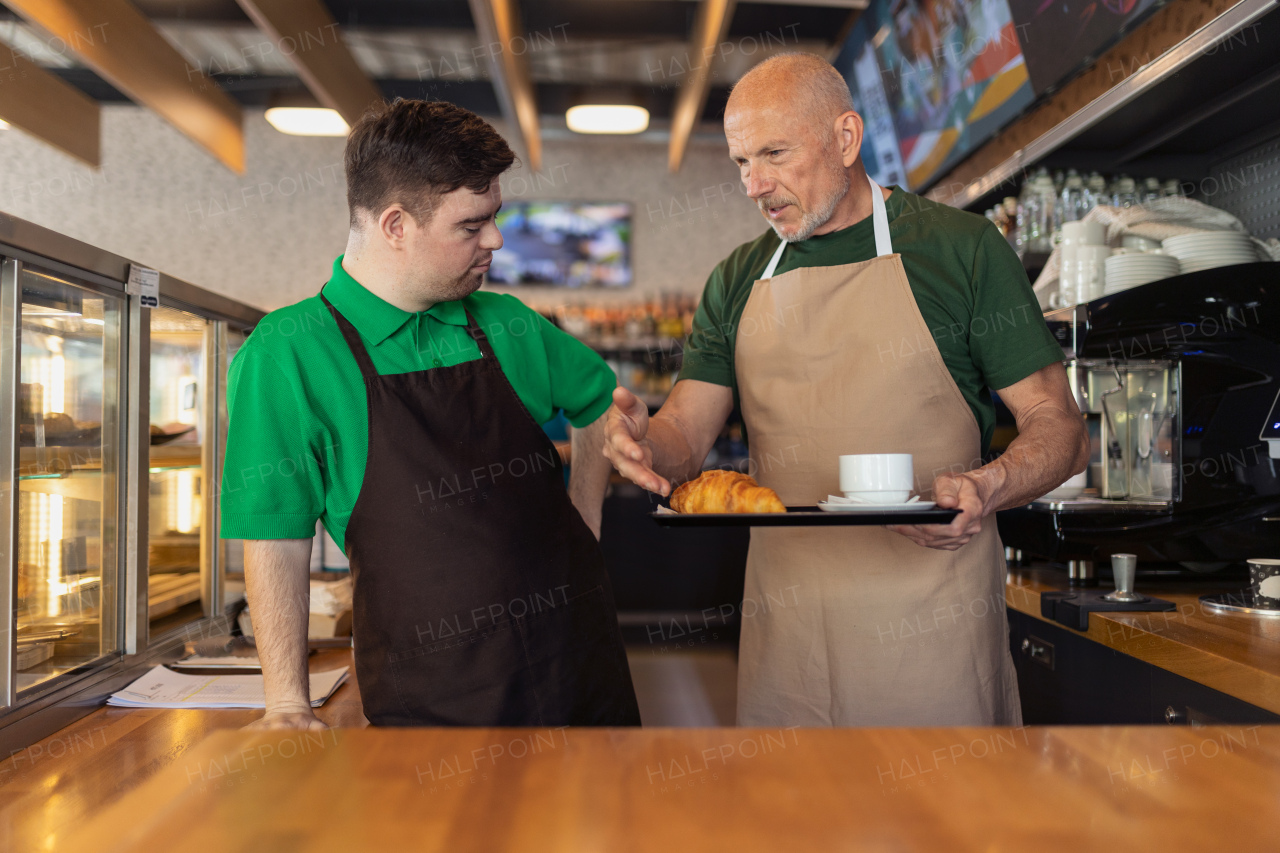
(164, 688)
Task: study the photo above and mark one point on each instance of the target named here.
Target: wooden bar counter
(124, 779)
(1237, 654)
(958, 789)
(151, 780)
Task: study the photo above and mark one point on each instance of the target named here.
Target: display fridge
(112, 427)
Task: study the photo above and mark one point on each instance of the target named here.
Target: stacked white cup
(1082, 269)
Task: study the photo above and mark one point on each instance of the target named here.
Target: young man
(402, 408)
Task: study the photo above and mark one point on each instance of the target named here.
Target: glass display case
(112, 427)
(177, 551)
(69, 337)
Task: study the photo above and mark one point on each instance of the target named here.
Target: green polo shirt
(298, 435)
(968, 283)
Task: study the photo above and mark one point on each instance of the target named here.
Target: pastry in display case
(68, 474)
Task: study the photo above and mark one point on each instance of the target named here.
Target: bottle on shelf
(1072, 199)
(1037, 214)
(1151, 190)
(1124, 192)
(1095, 191)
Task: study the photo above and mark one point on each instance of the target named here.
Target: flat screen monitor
(564, 244)
(1059, 37)
(952, 72)
(881, 156)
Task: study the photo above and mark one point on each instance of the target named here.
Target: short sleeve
(581, 382)
(708, 353)
(1008, 338)
(271, 482)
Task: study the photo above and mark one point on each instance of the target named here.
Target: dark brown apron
(481, 597)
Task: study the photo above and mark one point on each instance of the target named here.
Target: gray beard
(816, 218)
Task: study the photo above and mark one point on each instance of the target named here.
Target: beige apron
(859, 625)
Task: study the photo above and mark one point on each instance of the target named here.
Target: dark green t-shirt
(969, 284)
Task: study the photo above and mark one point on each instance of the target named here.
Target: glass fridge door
(179, 558)
(67, 422)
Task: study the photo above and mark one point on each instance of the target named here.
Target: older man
(867, 320)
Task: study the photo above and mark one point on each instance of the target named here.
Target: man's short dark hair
(414, 152)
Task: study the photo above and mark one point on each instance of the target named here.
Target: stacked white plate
(1208, 250)
(1131, 270)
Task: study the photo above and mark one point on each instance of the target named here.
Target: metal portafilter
(1124, 568)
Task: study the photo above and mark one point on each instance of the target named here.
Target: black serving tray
(802, 516)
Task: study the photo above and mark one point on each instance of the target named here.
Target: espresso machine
(1179, 383)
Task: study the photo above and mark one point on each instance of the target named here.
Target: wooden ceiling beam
(52, 110)
(709, 28)
(499, 27)
(117, 41)
(304, 31)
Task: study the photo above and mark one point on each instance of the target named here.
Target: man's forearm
(1050, 449)
(589, 472)
(278, 583)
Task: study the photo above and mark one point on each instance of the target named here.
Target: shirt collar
(892, 207)
(375, 318)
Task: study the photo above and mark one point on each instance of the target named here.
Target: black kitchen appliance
(1178, 380)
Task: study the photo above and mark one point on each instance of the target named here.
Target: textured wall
(269, 237)
(1248, 185)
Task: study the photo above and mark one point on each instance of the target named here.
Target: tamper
(1124, 567)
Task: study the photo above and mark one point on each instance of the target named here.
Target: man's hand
(971, 494)
(304, 719)
(626, 444)
(1052, 445)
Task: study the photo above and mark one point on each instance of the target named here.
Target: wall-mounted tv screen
(952, 73)
(563, 243)
(881, 156)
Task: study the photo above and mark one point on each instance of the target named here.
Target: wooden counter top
(1069, 789)
(171, 780)
(1235, 653)
(50, 788)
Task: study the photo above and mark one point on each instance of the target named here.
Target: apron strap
(352, 337)
(879, 223)
(773, 263)
(477, 334)
(879, 220)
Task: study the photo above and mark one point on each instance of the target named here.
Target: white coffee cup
(1090, 272)
(886, 477)
(1083, 234)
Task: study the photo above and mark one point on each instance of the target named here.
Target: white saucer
(1064, 493)
(900, 507)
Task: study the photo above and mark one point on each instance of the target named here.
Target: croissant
(725, 491)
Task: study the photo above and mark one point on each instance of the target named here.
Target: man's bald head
(802, 84)
(795, 137)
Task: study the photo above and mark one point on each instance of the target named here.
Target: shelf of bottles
(642, 341)
(67, 472)
(1032, 221)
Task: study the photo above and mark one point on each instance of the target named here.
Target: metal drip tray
(1237, 602)
(1102, 505)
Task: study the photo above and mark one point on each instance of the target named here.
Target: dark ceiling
(591, 35)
